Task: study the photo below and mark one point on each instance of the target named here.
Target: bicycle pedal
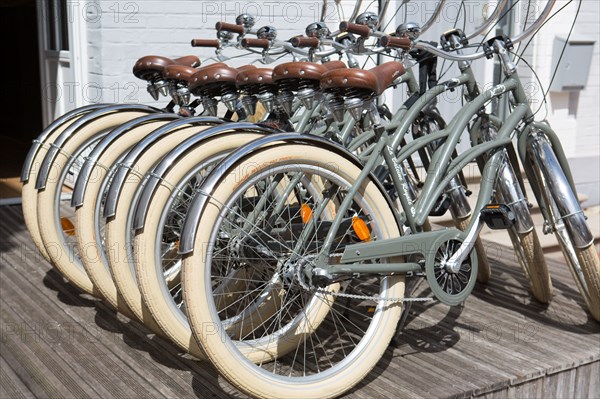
(498, 216)
(441, 206)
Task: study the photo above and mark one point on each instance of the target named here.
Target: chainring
(451, 288)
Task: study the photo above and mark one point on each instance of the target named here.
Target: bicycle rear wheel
(29, 192)
(119, 231)
(320, 341)
(90, 226)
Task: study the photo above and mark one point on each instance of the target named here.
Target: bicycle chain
(373, 298)
(367, 297)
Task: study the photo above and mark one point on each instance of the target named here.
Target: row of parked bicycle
(279, 244)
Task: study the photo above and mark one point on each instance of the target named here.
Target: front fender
(86, 170)
(71, 130)
(124, 167)
(156, 176)
(194, 214)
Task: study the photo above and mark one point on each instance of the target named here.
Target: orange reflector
(67, 227)
(361, 229)
(305, 213)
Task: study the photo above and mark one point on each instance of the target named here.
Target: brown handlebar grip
(302, 41)
(361, 30)
(239, 29)
(216, 43)
(260, 43)
(396, 42)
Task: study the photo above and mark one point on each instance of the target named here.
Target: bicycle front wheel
(55, 217)
(565, 217)
(157, 262)
(268, 224)
(531, 258)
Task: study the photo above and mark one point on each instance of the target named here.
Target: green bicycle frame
(442, 169)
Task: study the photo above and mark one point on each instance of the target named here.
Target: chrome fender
(124, 167)
(86, 170)
(37, 143)
(192, 220)
(155, 177)
(551, 171)
(71, 130)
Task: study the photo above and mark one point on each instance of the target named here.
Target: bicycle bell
(267, 32)
(246, 20)
(225, 35)
(410, 29)
(368, 18)
(318, 30)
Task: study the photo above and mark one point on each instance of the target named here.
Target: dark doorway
(21, 106)
(21, 98)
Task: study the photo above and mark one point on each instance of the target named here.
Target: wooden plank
(88, 332)
(60, 335)
(528, 389)
(500, 344)
(89, 328)
(565, 386)
(100, 368)
(44, 374)
(11, 385)
(587, 381)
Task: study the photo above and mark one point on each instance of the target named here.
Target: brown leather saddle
(179, 73)
(291, 76)
(361, 81)
(255, 81)
(216, 79)
(151, 67)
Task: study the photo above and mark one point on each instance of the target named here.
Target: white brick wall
(574, 117)
(121, 31)
(578, 131)
(124, 31)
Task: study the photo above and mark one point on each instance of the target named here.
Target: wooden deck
(55, 342)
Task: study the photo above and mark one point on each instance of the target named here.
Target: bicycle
(317, 258)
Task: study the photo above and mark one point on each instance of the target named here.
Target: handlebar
(535, 26)
(215, 43)
(239, 29)
(257, 43)
(396, 42)
(385, 41)
(355, 11)
(431, 20)
(383, 6)
(470, 57)
(361, 30)
(305, 42)
(489, 22)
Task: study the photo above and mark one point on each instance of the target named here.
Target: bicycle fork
(551, 178)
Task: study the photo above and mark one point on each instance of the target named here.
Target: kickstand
(411, 288)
